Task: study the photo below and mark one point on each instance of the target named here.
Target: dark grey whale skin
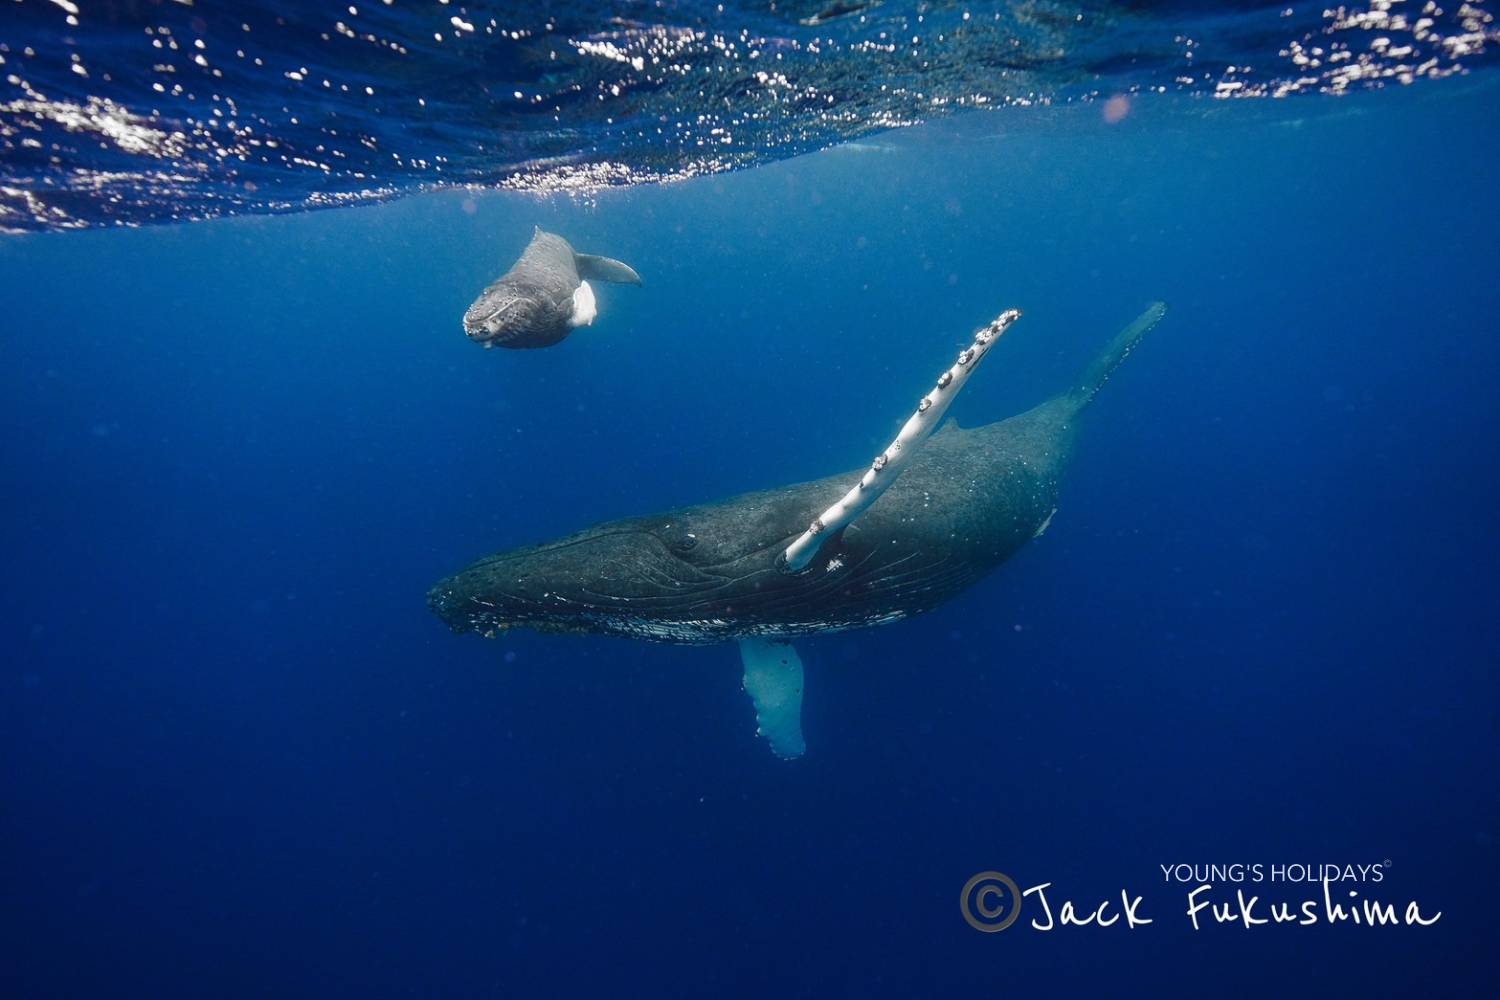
(711, 573)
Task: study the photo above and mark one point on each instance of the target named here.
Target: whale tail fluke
(605, 269)
(1102, 367)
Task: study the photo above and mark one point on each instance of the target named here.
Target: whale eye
(686, 543)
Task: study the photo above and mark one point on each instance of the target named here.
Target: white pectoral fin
(585, 306)
(773, 679)
(890, 463)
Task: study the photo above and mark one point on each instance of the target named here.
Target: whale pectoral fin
(605, 269)
(773, 679)
(585, 306)
(889, 464)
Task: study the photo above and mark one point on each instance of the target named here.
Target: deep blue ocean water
(242, 758)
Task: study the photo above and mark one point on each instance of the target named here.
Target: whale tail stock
(1103, 366)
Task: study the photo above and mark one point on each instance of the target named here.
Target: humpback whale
(544, 296)
(766, 567)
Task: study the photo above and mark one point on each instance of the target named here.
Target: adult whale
(544, 296)
(967, 501)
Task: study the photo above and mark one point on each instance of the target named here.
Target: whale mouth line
(483, 324)
(492, 317)
(698, 605)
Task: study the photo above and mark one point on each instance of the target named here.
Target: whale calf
(717, 572)
(544, 296)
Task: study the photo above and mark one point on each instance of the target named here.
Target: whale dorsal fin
(605, 269)
(949, 426)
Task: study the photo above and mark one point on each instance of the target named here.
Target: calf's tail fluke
(1109, 359)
